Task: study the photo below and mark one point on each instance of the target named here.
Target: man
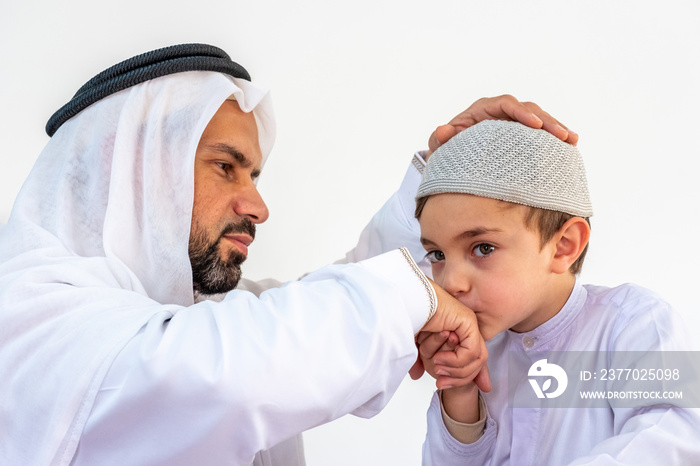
(142, 204)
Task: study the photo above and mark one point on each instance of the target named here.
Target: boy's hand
(429, 343)
(505, 107)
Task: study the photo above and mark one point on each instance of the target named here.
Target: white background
(358, 86)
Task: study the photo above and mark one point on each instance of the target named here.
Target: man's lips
(240, 241)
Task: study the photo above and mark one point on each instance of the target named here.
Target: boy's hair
(545, 222)
(510, 162)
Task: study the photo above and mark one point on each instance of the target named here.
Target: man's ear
(569, 242)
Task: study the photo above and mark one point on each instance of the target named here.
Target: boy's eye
(483, 250)
(435, 256)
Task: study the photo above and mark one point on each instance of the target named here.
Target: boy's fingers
(420, 338)
(480, 377)
(452, 342)
(483, 379)
(462, 356)
(433, 343)
(416, 371)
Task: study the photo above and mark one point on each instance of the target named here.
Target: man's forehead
(233, 132)
(230, 121)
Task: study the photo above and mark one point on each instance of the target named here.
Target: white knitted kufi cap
(508, 161)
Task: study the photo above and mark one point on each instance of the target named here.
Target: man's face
(483, 254)
(227, 205)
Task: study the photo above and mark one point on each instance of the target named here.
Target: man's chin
(211, 289)
(232, 256)
(218, 278)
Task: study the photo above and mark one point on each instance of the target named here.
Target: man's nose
(249, 203)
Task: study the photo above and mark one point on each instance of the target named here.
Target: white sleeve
(217, 382)
(394, 225)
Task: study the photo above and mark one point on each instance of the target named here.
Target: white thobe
(626, 318)
(219, 381)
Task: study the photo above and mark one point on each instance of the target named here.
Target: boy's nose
(455, 281)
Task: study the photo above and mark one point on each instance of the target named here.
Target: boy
(504, 211)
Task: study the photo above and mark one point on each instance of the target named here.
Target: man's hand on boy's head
(505, 107)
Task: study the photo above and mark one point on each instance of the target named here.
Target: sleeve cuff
(465, 433)
(417, 292)
(418, 160)
(429, 290)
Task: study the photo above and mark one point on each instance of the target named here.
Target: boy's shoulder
(638, 318)
(627, 297)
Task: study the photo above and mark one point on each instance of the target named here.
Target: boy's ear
(569, 243)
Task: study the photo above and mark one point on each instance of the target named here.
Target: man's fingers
(504, 107)
(551, 124)
(440, 136)
(507, 107)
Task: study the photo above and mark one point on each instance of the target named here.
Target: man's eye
(435, 256)
(483, 250)
(227, 167)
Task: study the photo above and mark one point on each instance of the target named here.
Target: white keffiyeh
(96, 245)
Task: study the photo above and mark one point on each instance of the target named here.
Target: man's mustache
(244, 226)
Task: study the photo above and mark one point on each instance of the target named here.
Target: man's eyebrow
(237, 155)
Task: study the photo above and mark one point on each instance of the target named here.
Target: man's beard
(210, 273)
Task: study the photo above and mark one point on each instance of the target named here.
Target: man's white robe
(103, 352)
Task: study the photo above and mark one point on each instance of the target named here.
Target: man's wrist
(432, 296)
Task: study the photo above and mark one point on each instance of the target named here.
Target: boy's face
(483, 255)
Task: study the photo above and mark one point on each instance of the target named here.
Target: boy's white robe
(625, 318)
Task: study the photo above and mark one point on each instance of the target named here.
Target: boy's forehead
(459, 210)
